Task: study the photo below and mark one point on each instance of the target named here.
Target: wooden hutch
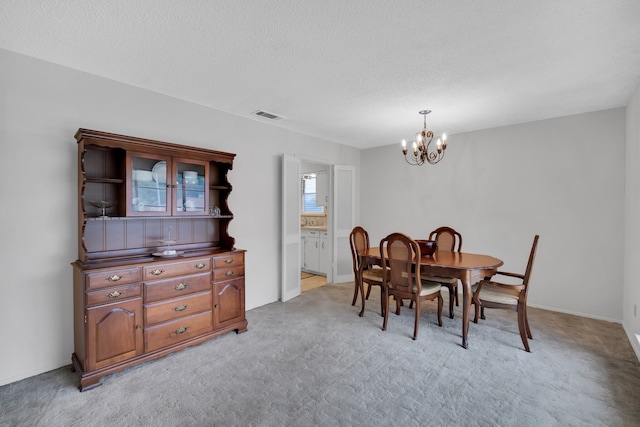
(157, 270)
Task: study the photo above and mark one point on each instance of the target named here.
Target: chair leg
(398, 305)
(522, 326)
(385, 301)
(456, 291)
(368, 291)
(482, 312)
(526, 322)
(356, 287)
(476, 302)
(381, 303)
(416, 322)
(451, 298)
(440, 310)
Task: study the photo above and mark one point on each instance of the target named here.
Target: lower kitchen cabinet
(315, 252)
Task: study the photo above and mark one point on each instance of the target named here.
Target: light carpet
(313, 361)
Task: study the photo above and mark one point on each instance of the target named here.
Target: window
(309, 194)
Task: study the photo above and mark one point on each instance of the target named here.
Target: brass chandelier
(421, 145)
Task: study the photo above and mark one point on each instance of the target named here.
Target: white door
(291, 191)
(343, 221)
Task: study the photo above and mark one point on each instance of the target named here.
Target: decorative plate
(159, 172)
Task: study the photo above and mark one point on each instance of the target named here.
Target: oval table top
(459, 260)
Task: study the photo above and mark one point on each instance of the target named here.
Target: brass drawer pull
(180, 287)
(114, 278)
(181, 307)
(229, 273)
(157, 272)
(115, 294)
(228, 261)
(181, 330)
(200, 266)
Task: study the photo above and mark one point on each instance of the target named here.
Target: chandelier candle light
(421, 153)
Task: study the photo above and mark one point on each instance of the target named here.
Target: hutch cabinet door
(191, 189)
(148, 184)
(228, 303)
(114, 333)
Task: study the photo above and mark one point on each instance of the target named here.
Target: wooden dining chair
(363, 272)
(491, 294)
(402, 280)
(447, 239)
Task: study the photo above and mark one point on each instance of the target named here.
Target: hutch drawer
(108, 295)
(181, 268)
(220, 275)
(177, 307)
(166, 334)
(228, 261)
(172, 288)
(108, 278)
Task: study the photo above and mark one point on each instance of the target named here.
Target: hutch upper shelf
(128, 184)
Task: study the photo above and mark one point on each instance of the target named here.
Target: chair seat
(373, 274)
(429, 288)
(445, 280)
(496, 294)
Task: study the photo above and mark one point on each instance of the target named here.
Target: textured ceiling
(351, 71)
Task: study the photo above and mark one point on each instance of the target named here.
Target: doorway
(340, 221)
(315, 208)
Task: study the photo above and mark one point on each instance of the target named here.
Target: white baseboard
(589, 316)
(634, 340)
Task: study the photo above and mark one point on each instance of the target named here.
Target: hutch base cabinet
(157, 271)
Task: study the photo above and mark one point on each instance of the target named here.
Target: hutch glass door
(149, 184)
(192, 185)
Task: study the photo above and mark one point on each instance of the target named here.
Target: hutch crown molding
(157, 270)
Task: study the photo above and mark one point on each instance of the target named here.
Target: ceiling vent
(266, 115)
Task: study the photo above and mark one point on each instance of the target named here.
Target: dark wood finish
(115, 333)
(228, 301)
(228, 261)
(179, 330)
(173, 308)
(228, 273)
(109, 295)
(460, 265)
(172, 288)
(228, 291)
(402, 280)
(492, 294)
(363, 271)
(155, 271)
(447, 239)
(129, 306)
(105, 171)
(109, 278)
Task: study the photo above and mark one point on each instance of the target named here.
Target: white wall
(631, 289)
(561, 178)
(41, 107)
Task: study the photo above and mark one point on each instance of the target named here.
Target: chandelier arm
(415, 160)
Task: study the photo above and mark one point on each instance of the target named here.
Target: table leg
(466, 305)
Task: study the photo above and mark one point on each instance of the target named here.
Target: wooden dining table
(467, 267)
